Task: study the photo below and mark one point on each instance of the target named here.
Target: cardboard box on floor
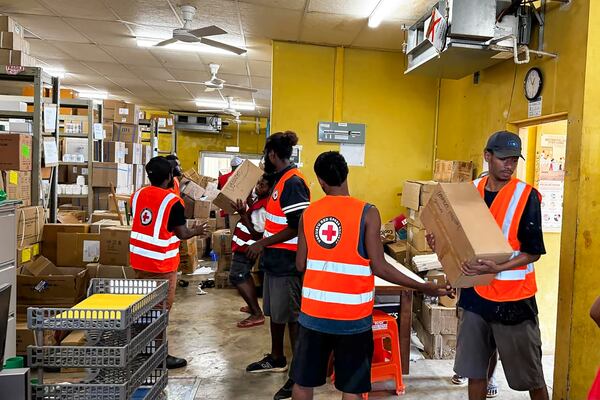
(417, 193)
(221, 241)
(464, 230)
(201, 246)
(17, 185)
(437, 346)
(16, 151)
(50, 238)
(96, 270)
(77, 249)
(239, 186)
(114, 245)
(438, 319)
(451, 171)
(30, 225)
(188, 256)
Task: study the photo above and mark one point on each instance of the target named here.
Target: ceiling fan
(189, 35)
(229, 110)
(216, 83)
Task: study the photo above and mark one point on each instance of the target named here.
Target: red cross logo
(434, 22)
(330, 233)
(146, 216)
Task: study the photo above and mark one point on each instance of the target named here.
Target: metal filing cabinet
(8, 271)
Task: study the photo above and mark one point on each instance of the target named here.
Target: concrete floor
(202, 329)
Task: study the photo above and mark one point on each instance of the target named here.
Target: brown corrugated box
(63, 288)
(114, 152)
(77, 249)
(221, 241)
(114, 245)
(134, 153)
(414, 217)
(50, 238)
(239, 186)
(452, 171)
(17, 185)
(30, 225)
(106, 173)
(417, 238)
(188, 256)
(14, 41)
(126, 113)
(464, 230)
(129, 133)
(96, 270)
(417, 193)
(7, 24)
(397, 251)
(438, 319)
(16, 151)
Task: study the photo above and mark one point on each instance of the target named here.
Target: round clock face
(533, 84)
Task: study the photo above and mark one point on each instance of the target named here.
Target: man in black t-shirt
(489, 325)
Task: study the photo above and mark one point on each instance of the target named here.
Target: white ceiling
(86, 39)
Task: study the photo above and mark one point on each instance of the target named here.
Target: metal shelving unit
(152, 126)
(39, 79)
(125, 349)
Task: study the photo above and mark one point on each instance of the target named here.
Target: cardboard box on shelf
(17, 185)
(16, 151)
(412, 252)
(64, 287)
(113, 104)
(417, 193)
(397, 250)
(108, 129)
(77, 249)
(96, 270)
(7, 24)
(239, 186)
(221, 241)
(388, 233)
(464, 230)
(453, 171)
(14, 41)
(138, 176)
(128, 133)
(134, 153)
(114, 152)
(417, 238)
(73, 171)
(106, 173)
(30, 225)
(414, 217)
(439, 319)
(74, 146)
(114, 245)
(188, 256)
(126, 114)
(146, 153)
(50, 238)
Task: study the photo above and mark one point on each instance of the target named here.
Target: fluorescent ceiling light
(56, 72)
(181, 46)
(220, 104)
(93, 95)
(381, 10)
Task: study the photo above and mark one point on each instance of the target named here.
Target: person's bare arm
(184, 233)
(302, 252)
(385, 270)
(245, 219)
(257, 248)
(595, 312)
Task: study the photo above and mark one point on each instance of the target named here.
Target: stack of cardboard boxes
(221, 246)
(14, 49)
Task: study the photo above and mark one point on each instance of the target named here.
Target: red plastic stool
(386, 364)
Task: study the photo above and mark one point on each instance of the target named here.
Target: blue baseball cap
(504, 144)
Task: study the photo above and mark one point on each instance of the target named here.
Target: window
(215, 163)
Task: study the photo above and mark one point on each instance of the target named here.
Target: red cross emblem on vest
(146, 216)
(328, 232)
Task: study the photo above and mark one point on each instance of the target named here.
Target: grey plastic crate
(110, 349)
(109, 384)
(155, 292)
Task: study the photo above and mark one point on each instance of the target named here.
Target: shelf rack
(39, 79)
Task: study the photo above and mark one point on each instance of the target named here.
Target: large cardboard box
(188, 256)
(437, 346)
(129, 133)
(30, 225)
(98, 226)
(196, 209)
(7, 24)
(63, 288)
(77, 249)
(439, 319)
(114, 152)
(13, 41)
(75, 146)
(453, 171)
(224, 262)
(17, 185)
(50, 237)
(417, 193)
(201, 246)
(133, 153)
(417, 237)
(100, 215)
(397, 251)
(16, 151)
(464, 230)
(127, 114)
(106, 173)
(200, 180)
(191, 189)
(239, 186)
(138, 176)
(221, 241)
(96, 270)
(146, 153)
(114, 245)
(414, 217)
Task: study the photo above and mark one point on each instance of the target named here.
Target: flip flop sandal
(249, 323)
(492, 391)
(245, 309)
(458, 380)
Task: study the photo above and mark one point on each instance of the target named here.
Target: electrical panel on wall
(341, 132)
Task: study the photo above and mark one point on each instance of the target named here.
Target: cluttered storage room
(299, 199)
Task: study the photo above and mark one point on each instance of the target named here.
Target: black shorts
(352, 360)
(241, 266)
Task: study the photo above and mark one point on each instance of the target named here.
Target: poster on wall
(552, 204)
(551, 175)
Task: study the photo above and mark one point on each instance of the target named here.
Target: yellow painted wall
(399, 113)
(470, 113)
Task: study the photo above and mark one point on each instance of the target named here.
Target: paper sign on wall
(534, 108)
(49, 118)
(353, 153)
(50, 152)
(98, 132)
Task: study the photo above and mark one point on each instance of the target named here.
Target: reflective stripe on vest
(291, 241)
(154, 240)
(155, 255)
(512, 207)
(336, 297)
(276, 219)
(515, 274)
(338, 268)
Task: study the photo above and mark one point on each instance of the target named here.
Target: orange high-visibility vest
(338, 282)
(517, 283)
(276, 219)
(242, 238)
(152, 247)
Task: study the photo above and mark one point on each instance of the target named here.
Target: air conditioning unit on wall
(198, 123)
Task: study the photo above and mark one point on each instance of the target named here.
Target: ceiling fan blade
(165, 42)
(247, 89)
(210, 111)
(144, 25)
(207, 31)
(186, 82)
(209, 89)
(223, 46)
